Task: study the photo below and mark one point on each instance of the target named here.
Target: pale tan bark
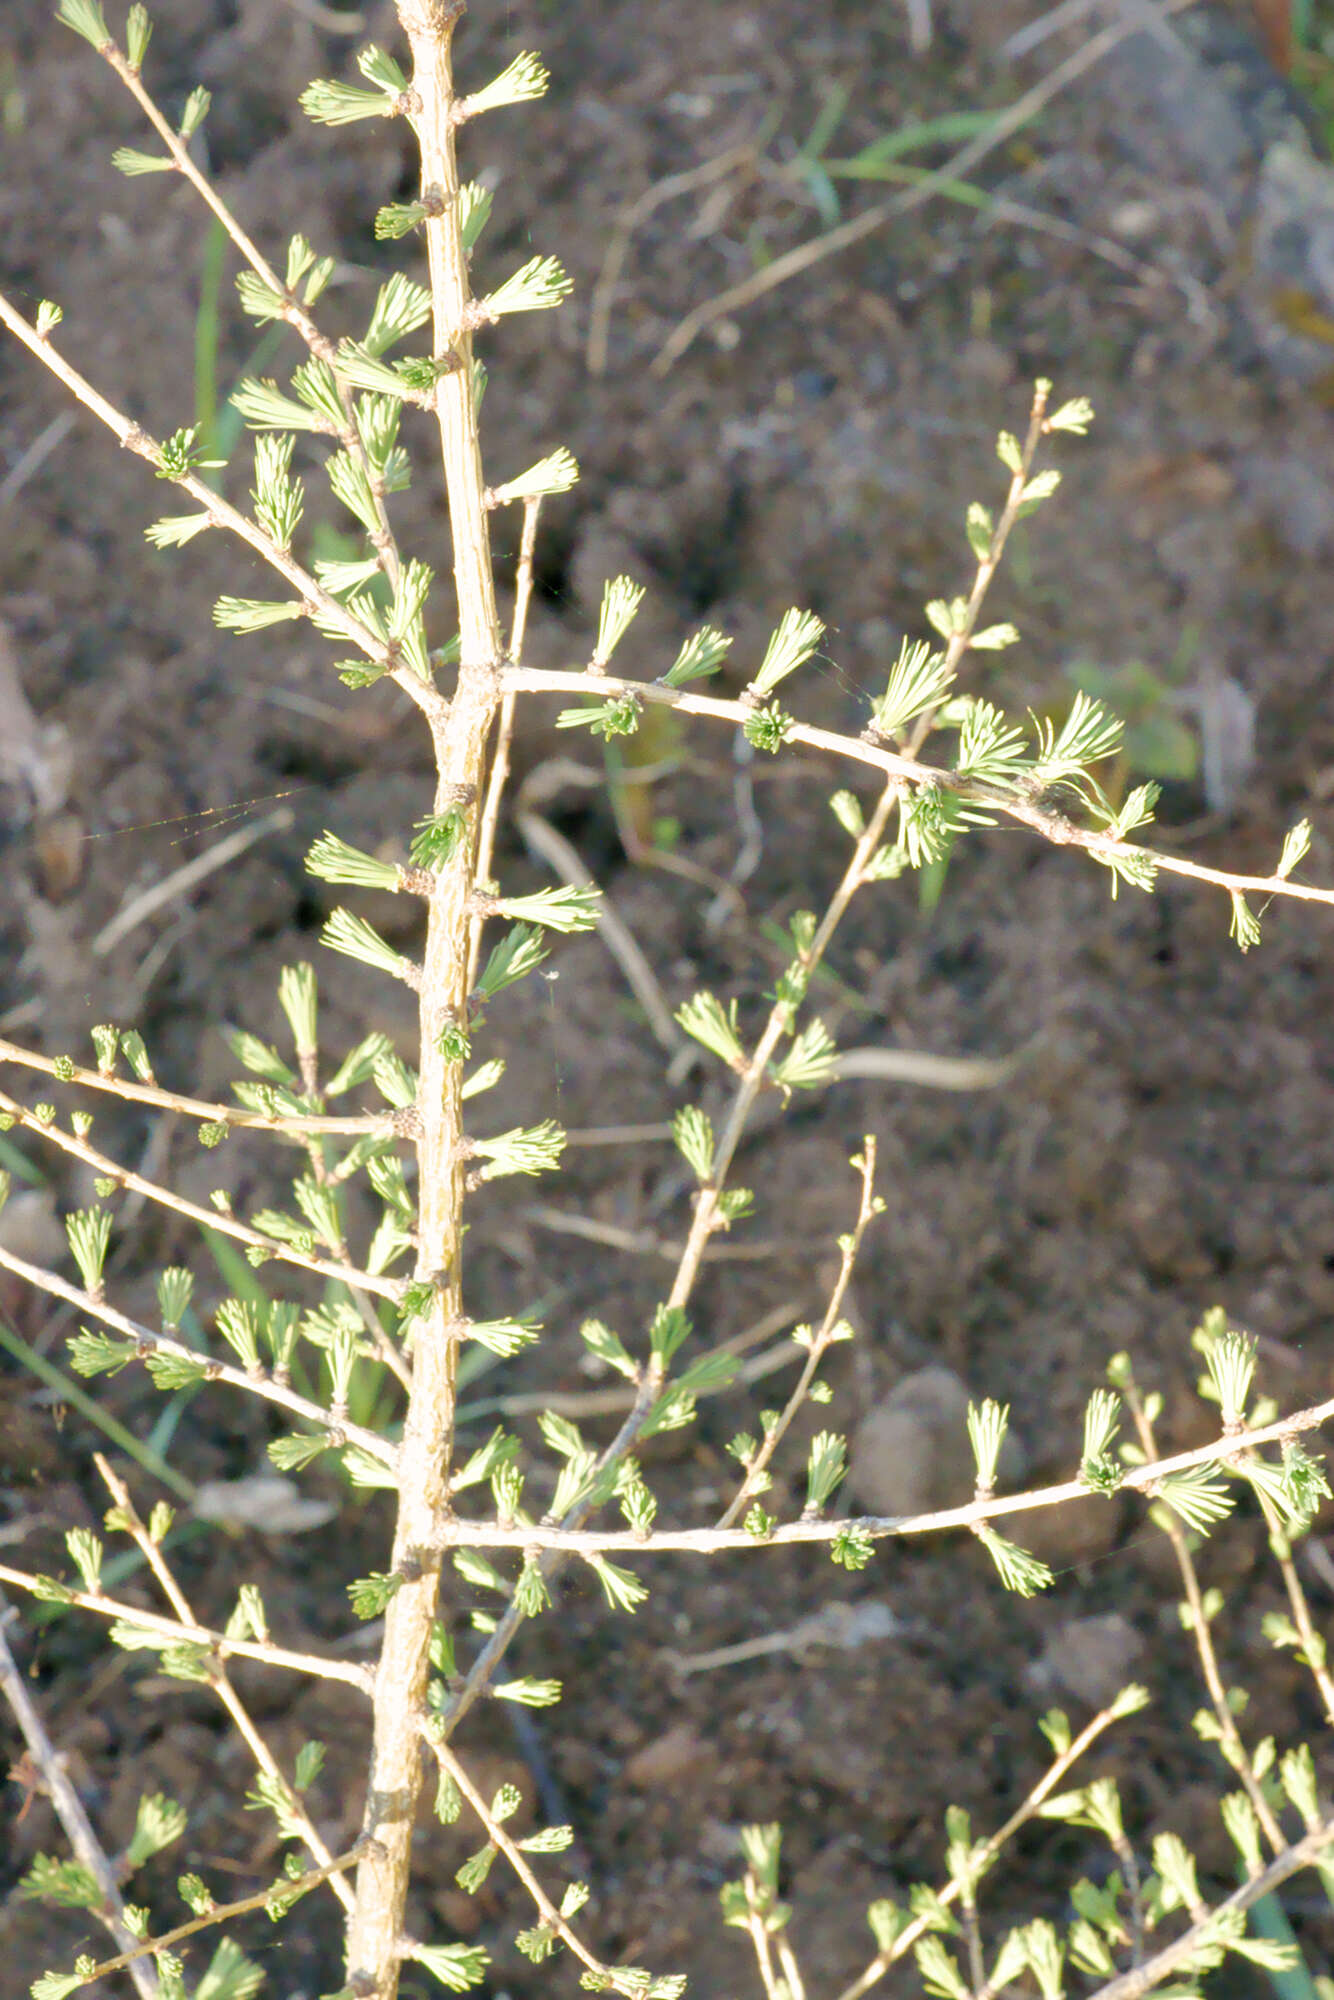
(460, 737)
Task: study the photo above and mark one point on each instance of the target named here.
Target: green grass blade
(19, 1165)
(923, 132)
(208, 321)
(1294, 1982)
(828, 119)
(236, 1274)
(229, 424)
(70, 1392)
(823, 192)
(960, 191)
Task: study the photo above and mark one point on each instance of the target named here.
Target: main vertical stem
(375, 1933)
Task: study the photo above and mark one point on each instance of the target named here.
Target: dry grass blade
(181, 880)
(612, 928)
(808, 255)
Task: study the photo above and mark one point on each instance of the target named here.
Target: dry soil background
(1168, 1144)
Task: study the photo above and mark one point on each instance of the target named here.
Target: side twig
(69, 1810)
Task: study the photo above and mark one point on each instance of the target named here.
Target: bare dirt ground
(1169, 1143)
